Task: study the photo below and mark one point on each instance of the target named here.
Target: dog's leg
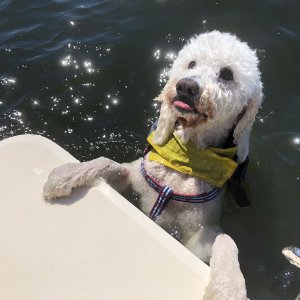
(64, 178)
(226, 278)
(200, 243)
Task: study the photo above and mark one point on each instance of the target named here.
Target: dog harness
(166, 194)
(213, 165)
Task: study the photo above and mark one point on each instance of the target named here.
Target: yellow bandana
(212, 165)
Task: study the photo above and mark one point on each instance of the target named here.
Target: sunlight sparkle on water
(296, 141)
(89, 118)
(163, 77)
(16, 115)
(87, 63)
(156, 54)
(69, 131)
(171, 56)
(169, 37)
(8, 81)
(66, 61)
(35, 102)
(88, 66)
(65, 112)
(115, 101)
(88, 84)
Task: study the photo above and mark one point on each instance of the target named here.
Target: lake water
(84, 74)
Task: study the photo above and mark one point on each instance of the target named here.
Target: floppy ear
(242, 130)
(165, 124)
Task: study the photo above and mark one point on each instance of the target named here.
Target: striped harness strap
(166, 194)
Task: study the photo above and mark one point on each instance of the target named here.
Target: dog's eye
(192, 65)
(226, 74)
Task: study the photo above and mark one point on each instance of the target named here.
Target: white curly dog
(212, 95)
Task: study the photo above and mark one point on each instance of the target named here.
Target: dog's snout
(187, 88)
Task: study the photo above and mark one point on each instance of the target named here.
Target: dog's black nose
(187, 88)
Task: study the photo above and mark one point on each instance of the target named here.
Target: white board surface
(91, 245)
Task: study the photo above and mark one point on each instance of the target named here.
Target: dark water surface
(84, 73)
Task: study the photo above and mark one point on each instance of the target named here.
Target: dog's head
(214, 81)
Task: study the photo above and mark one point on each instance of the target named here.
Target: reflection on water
(296, 141)
(287, 147)
(84, 74)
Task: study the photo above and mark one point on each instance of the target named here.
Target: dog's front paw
(59, 183)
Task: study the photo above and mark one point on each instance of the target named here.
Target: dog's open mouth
(185, 105)
(189, 115)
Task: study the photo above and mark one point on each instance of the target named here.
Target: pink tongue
(182, 105)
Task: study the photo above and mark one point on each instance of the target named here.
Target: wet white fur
(198, 223)
(213, 51)
(226, 279)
